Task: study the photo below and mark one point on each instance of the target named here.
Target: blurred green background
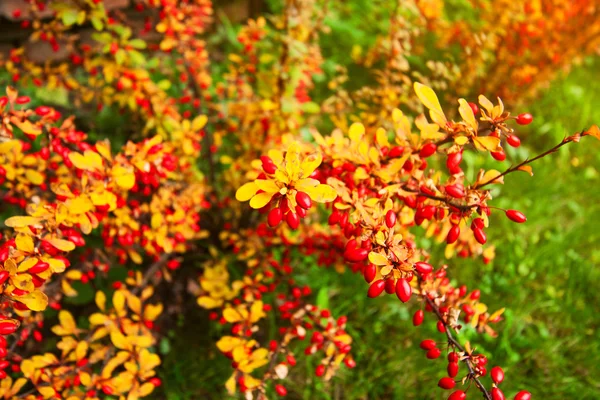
(545, 272)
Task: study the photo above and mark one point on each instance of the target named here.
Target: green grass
(546, 274)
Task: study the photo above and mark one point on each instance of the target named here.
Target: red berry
(390, 219)
(281, 390)
(433, 353)
(446, 383)
(452, 369)
(293, 220)
(320, 370)
(497, 394)
(499, 155)
(497, 375)
(513, 140)
(479, 235)
(474, 108)
(524, 119)
(418, 318)
(356, 255)
(303, 200)
(458, 395)
(369, 272)
(423, 268)
(523, 395)
(428, 150)
(403, 290)
(453, 234)
(376, 288)
(441, 327)
(427, 344)
(457, 191)
(516, 216)
(274, 217)
(390, 286)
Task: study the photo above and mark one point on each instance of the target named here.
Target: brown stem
(453, 342)
(151, 271)
(530, 160)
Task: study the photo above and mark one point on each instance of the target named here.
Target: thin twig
(453, 342)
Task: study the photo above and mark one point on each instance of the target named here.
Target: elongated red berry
(423, 268)
(513, 140)
(356, 255)
(479, 235)
(499, 155)
(433, 353)
(474, 108)
(390, 286)
(418, 317)
(403, 290)
(523, 395)
(453, 234)
(280, 390)
(369, 272)
(427, 344)
(390, 219)
(293, 220)
(376, 288)
(452, 369)
(4, 275)
(428, 150)
(497, 375)
(458, 395)
(303, 200)
(446, 383)
(524, 119)
(274, 217)
(457, 191)
(8, 327)
(453, 162)
(516, 216)
(497, 394)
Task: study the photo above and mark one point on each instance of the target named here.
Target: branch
(530, 160)
(453, 342)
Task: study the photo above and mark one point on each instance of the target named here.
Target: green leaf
(97, 23)
(323, 298)
(69, 17)
(137, 44)
(311, 107)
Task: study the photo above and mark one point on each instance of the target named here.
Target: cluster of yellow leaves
(291, 176)
(113, 354)
(216, 287)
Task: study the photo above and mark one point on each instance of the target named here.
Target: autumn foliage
(241, 171)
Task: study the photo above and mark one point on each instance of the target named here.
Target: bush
(105, 236)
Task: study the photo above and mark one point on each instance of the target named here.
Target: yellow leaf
(123, 177)
(430, 100)
(145, 389)
(260, 200)
(57, 266)
(489, 143)
(321, 193)
(35, 301)
(526, 168)
(310, 164)
(208, 302)
(267, 185)
(461, 140)
(135, 304)
(356, 131)
(119, 301)
(27, 264)
(377, 259)
(89, 161)
(27, 127)
(485, 103)
(466, 112)
(103, 148)
(61, 244)
(119, 340)
(152, 311)
(491, 177)
(593, 131)
(23, 282)
(25, 243)
(81, 350)
(199, 122)
(34, 176)
(246, 191)
(67, 322)
(231, 315)
(101, 300)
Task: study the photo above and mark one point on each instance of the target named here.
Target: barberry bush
(152, 157)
